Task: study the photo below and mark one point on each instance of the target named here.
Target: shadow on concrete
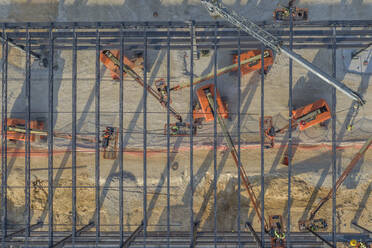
(163, 177)
(39, 92)
(362, 204)
(211, 189)
(319, 184)
(127, 136)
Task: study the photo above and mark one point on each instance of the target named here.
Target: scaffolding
(40, 41)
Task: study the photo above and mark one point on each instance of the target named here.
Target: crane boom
(215, 8)
(234, 154)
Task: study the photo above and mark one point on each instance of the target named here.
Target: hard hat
(353, 243)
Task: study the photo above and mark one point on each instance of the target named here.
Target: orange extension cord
(38, 152)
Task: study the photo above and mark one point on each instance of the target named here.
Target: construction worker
(174, 130)
(353, 243)
(162, 89)
(286, 11)
(358, 244)
(362, 245)
(279, 235)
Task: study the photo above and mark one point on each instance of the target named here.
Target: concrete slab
(361, 64)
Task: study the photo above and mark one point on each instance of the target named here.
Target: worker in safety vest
(358, 244)
(279, 235)
(287, 9)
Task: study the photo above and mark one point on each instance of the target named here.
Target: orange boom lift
(203, 109)
(206, 95)
(16, 131)
(302, 118)
(254, 65)
(249, 61)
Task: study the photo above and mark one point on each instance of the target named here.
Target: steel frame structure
(34, 38)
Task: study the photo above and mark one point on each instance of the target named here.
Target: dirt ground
(310, 183)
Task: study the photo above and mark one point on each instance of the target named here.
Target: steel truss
(41, 40)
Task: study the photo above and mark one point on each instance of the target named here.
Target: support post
(194, 234)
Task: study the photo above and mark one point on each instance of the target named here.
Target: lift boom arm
(234, 154)
(45, 133)
(342, 178)
(139, 80)
(216, 8)
(220, 71)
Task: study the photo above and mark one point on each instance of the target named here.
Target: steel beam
(4, 140)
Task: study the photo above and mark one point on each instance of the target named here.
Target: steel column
(191, 133)
(74, 98)
(334, 120)
(121, 139)
(168, 139)
(145, 139)
(97, 133)
(50, 135)
(215, 176)
(27, 136)
(290, 107)
(262, 145)
(195, 233)
(239, 143)
(4, 141)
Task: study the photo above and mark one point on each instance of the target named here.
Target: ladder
(215, 8)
